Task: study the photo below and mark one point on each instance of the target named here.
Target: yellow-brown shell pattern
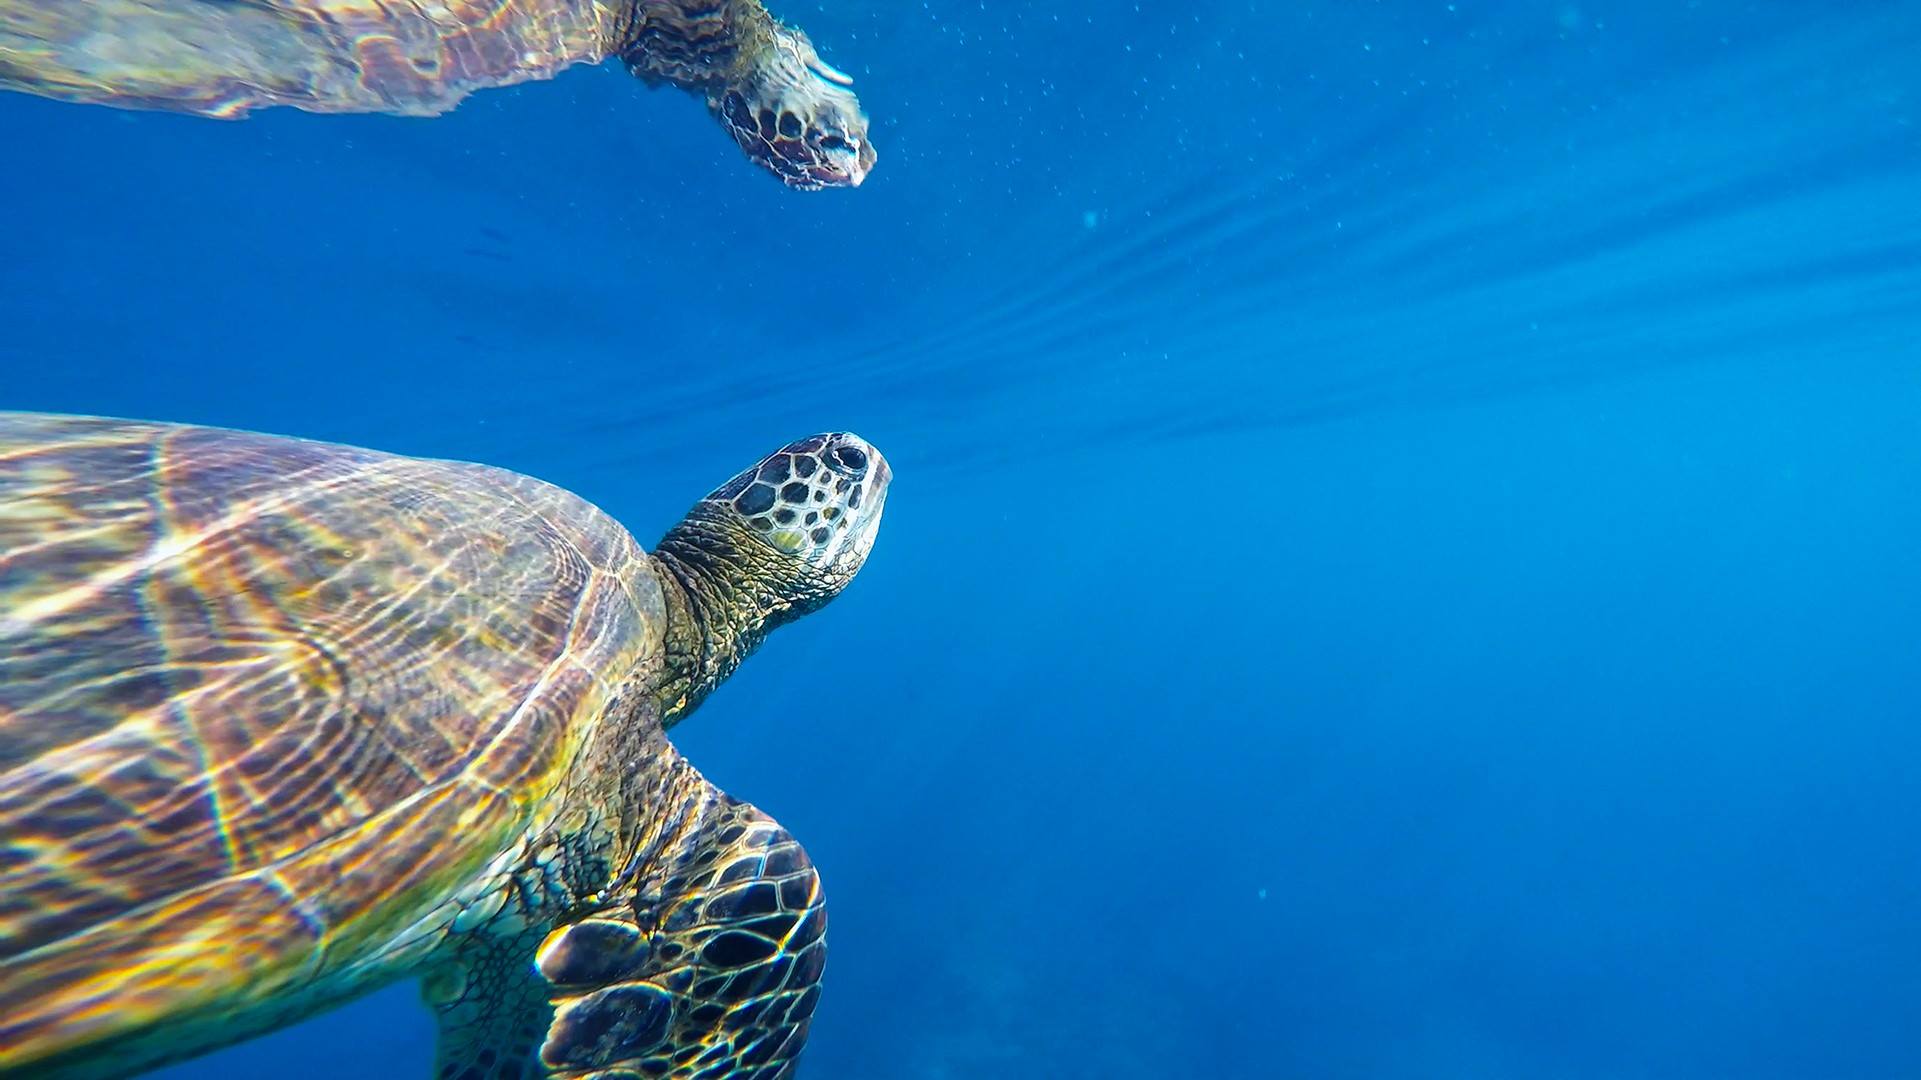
(265, 702)
(417, 57)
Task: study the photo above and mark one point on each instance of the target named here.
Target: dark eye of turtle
(833, 142)
(853, 457)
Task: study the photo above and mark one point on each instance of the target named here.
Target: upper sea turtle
(284, 721)
(789, 110)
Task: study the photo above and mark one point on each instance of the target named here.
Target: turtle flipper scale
(704, 963)
(709, 967)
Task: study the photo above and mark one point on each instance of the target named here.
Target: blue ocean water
(1407, 534)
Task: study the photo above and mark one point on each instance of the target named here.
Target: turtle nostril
(851, 457)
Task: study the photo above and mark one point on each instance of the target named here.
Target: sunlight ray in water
(1669, 221)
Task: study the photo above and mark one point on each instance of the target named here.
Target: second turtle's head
(795, 114)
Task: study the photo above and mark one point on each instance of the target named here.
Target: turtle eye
(851, 458)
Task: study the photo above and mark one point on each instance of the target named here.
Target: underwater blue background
(1407, 534)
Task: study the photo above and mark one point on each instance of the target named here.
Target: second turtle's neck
(693, 44)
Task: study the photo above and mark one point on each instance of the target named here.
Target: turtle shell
(266, 702)
(415, 57)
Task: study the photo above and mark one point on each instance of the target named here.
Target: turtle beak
(870, 476)
(880, 476)
(849, 158)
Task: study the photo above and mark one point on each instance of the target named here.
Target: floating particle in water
(1260, 894)
(1090, 219)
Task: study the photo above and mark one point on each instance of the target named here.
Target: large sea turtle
(790, 110)
(284, 721)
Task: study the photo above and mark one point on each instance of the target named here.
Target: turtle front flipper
(703, 960)
(709, 965)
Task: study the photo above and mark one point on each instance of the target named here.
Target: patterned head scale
(817, 500)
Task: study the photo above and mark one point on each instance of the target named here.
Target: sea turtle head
(774, 543)
(812, 509)
(795, 114)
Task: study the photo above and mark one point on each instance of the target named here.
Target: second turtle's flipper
(707, 965)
